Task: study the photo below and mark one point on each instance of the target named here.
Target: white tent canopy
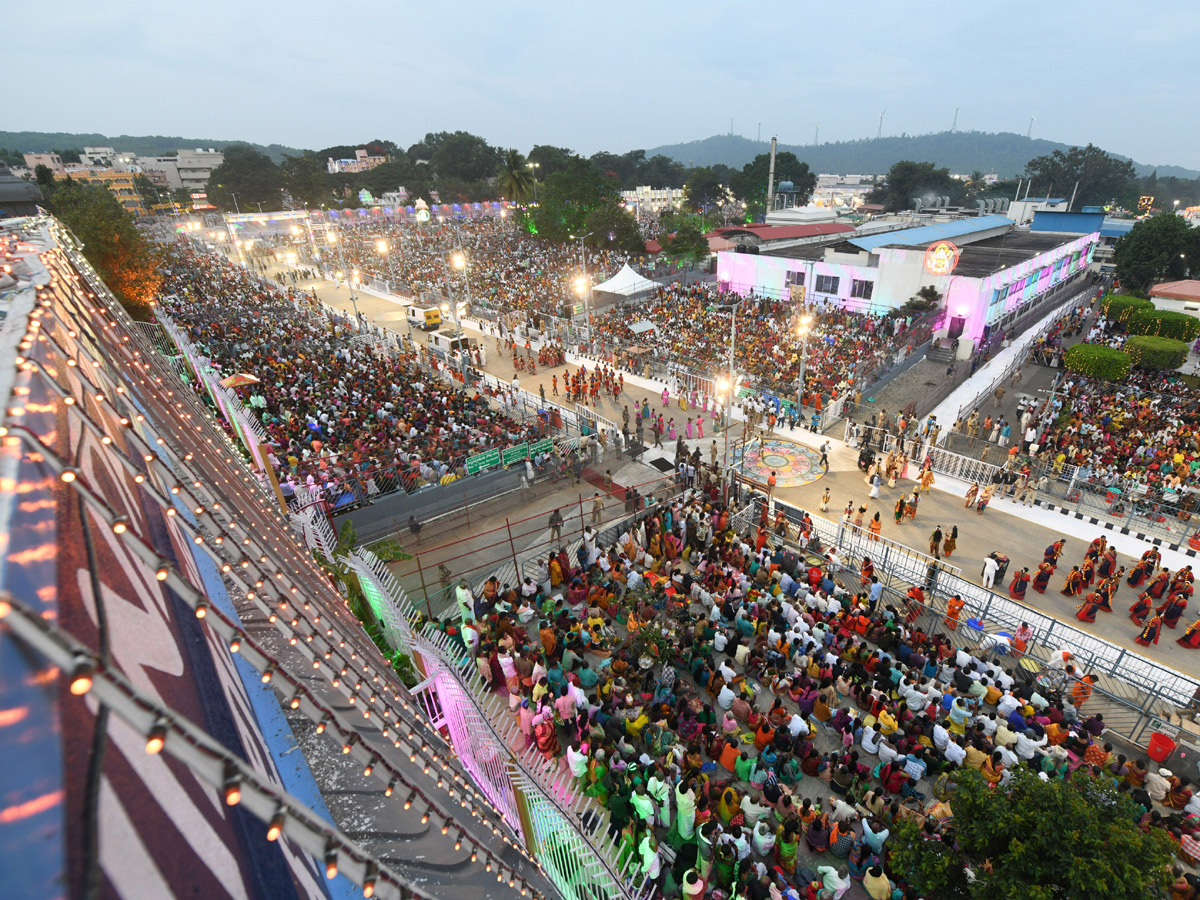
(641, 327)
(627, 283)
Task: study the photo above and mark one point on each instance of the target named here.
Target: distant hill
(960, 151)
(138, 145)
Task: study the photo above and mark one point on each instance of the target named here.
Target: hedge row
(1098, 361)
(1150, 352)
(1165, 324)
(1119, 307)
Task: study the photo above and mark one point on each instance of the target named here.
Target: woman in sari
(1140, 609)
(1088, 608)
(875, 527)
(1042, 579)
(787, 847)
(900, 508)
(728, 805)
(972, 493)
(860, 859)
(1191, 637)
(1074, 583)
(1019, 585)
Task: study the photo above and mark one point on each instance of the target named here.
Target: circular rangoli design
(792, 464)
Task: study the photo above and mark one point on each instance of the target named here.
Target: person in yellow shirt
(887, 721)
(993, 695)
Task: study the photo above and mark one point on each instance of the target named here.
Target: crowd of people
(505, 270)
(714, 690)
(338, 416)
(1140, 436)
(692, 322)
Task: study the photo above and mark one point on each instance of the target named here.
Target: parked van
(446, 343)
(426, 317)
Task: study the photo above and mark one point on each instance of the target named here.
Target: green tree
(1045, 840)
(465, 156)
(750, 184)
(1155, 249)
(11, 157)
(248, 174)
(70, 155)
(306, 178)
(688, 244)
(907, 180)
(659, 171)
(1101, 177)
(566, 198)
(515, 179)
(614, 228)
(704, 191)
(114, 246)
(549, 159)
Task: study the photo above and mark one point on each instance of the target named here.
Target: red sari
(1151, 633)
(1042, 579)
(1088, 609)
(1020, 584)
(1191, 637)
(1140, 610)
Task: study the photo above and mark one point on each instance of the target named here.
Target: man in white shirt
(797, 726)
(941, 737)
(990, 568)
(955, 752)
(1007, 704)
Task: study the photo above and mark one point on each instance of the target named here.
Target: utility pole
(879, 130)
(954, 124)
(770, 183)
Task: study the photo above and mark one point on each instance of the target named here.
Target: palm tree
(515, 179)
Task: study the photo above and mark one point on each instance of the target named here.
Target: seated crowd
(690, 323)
(730, 697)
(508, 270)
(335, 412)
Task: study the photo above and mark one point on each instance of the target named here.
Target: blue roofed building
(990, 273)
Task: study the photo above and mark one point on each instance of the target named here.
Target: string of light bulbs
(211, 762)
(290, 690)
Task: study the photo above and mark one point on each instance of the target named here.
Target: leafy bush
(1120, 307)
(1041, 840)
(1150, 352)
(1096, 361)
(1164, 323)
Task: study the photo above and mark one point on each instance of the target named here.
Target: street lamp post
(803, 331)
(583, 284)
(333, 239)
(729, 384)
(534, 166)
(236, 209)
(460, 262)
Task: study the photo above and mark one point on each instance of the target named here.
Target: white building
(97, 156)
(645, 199)
(987, 271)
(187, 169)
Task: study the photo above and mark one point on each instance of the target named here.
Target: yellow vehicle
(427, 317)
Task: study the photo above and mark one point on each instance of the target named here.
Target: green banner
(482, 461)
(515, 454)
(545, 445)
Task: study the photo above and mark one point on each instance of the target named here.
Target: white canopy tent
(626, 283)
(641, 327)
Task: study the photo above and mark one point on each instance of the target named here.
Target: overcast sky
(615, 75)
